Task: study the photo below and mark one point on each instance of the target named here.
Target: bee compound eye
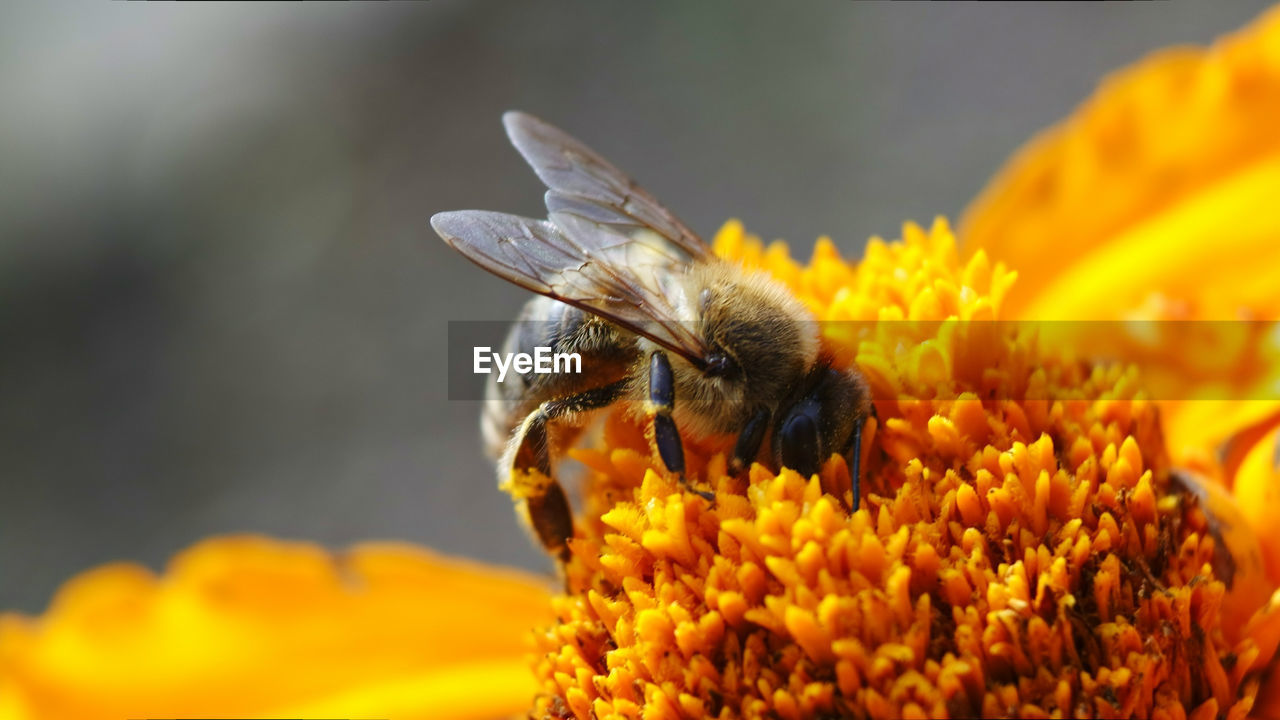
(718, 364)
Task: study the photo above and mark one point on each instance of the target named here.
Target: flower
(1155, 197)
(254, 627)
(1013, 555)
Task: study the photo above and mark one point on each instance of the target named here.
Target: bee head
(759, 342)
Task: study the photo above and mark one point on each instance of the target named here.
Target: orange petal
(1157, 197)
(251, 627)
(1257, 492)
(1164, 181)
(1193, 426)
(1244, 567)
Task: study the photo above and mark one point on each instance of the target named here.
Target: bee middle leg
(855, 459)
(548, 506)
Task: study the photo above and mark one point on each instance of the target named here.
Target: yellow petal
(250, 627)
(1165, 180)
(1257, 491)
(1246, 542)
(1157, 198)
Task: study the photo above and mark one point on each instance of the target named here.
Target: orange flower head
(1011, 557)
(1040, 534)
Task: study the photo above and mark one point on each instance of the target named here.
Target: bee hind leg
(545, 502)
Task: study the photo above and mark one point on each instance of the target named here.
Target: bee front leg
(662, 399)
(827, 418)
(546, 504)
(799, 440)
(749, 440)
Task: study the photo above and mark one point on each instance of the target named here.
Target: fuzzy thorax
(768, 337)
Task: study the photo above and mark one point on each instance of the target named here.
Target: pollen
(1015, 554)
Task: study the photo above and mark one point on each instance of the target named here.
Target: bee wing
(624, 279)
(583, 184)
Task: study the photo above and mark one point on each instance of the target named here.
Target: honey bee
(682, 338)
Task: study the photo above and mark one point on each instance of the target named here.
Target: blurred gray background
(222, 308)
